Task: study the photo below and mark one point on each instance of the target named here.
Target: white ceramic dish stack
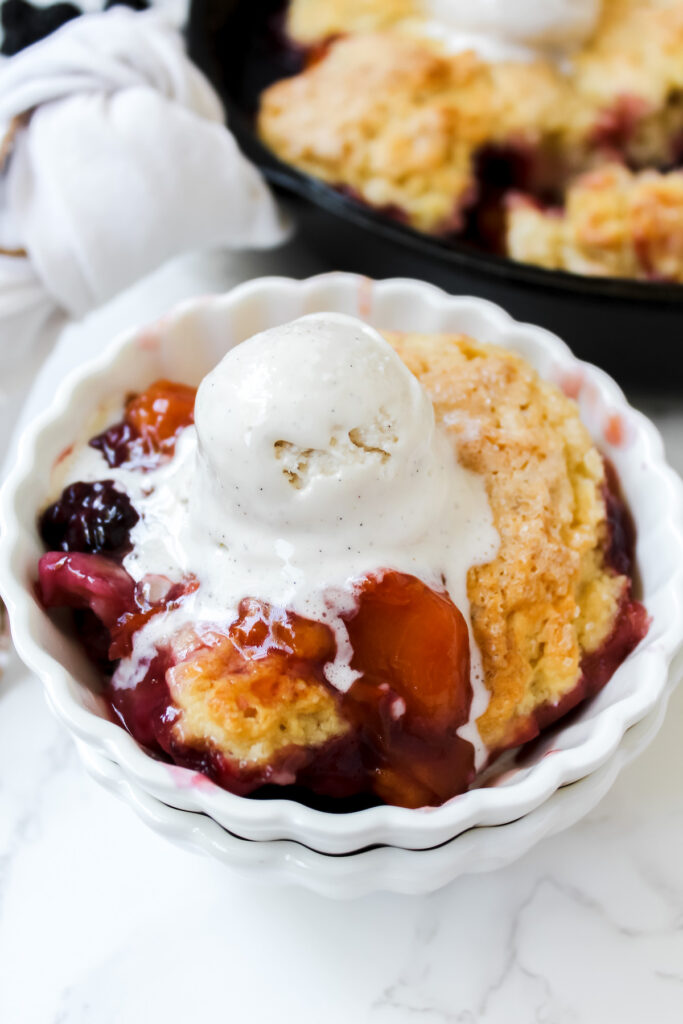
(183, 346)
(382, 868)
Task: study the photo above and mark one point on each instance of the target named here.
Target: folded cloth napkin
(114, 157)
(119, 160)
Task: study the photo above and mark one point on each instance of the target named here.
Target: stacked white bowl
(381, 847)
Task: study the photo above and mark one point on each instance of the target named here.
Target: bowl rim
(387, 868)
(283, 818)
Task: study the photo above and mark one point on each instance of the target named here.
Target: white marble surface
(102, 921)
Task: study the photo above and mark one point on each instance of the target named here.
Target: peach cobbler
(550, 132)
(362, 563)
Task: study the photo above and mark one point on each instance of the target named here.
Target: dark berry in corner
(24, 24)
(137, 5)
(90, 517)
(151, 425)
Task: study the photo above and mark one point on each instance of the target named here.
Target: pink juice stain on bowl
(614, 430)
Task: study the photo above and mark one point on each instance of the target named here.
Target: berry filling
(616, 125)
(86, 581)
(402, 714)
(90, 517)
(410, 647)
(621, 532)
(151, 423)
(101, 586)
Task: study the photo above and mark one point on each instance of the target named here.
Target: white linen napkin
(116, 159)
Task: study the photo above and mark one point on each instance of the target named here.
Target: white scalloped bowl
(183, 346)
(382, 868)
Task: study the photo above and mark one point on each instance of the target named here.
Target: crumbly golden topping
(616, 223)
(393, 117)
(408, 138)
(636, 51)
(249, 708)
(546, 598)
(404, 138)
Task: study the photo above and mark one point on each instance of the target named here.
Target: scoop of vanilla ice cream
(315, 433)
(315, 460)
(548, 22)
(513, 29)
(318, 460)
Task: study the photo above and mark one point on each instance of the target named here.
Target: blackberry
(118, 444)
(89, 517)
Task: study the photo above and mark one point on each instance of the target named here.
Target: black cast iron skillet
(633, 329)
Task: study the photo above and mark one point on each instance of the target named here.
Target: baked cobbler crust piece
(629, 80)
(253, 708)
(616, 223)
(625, 82)
(403, 140)
(389, 115)
(407, 141)
(548, 597)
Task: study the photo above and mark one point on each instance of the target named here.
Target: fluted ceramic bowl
(184, 345)
(380, 868)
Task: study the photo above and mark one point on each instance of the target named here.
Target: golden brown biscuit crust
(616, 223)
(547, 597)
(400, 122)
(252, 709)
(404, 139)
(408, 139)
